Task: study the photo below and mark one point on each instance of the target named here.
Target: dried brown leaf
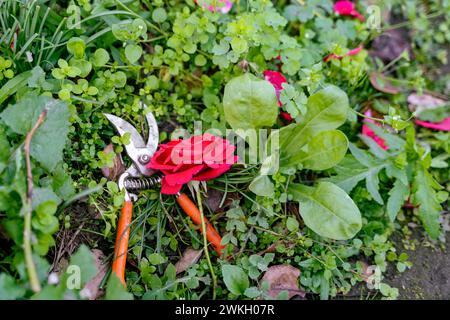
(381, 83)
(112, 173)
(283, 277)
(419, 103)
(190, 257)
(214, 199)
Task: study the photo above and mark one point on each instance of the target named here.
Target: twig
(31, 268)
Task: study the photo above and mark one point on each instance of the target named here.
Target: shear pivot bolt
(144, 159)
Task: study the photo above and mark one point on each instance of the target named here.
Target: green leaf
(9, 290)
(37, 77)
(13, 85)
(262, 186)
(159, 15)
(324, 151)
(50, 292)
(156, 258)
(252, 292)
(49, 139)
(236, 280)
(368, 168)
(397, 197)
(84, 66)
(250, 102)
(200, 60)
(239, 45)
(115, 289)
(327, 110)
(292, 224)
(327, 210)
(372, 185)
(133, 52)
(85, 260)
(76, 46)
(425, 197)
(100, 57)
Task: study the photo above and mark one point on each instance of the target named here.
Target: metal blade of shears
(139, 151)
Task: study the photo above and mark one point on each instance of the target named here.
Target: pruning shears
(139, 177)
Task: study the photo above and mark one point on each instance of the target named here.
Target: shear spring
(136, 184)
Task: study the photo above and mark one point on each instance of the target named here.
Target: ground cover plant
(353, 97)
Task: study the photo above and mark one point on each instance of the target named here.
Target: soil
(429, 277)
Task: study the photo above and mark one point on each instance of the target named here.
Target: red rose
(277, 79)
(201, 158)
(347, 8)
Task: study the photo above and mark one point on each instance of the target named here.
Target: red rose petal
(442, 126)
(212, 173)
(169, 189)
(185, 176)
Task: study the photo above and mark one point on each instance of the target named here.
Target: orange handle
(123, 235)
(192, 211)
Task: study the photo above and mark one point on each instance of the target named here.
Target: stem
(31, 268)
(205, 243)
(364, 116)
(148, 23)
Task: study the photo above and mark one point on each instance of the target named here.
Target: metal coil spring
(136, 184)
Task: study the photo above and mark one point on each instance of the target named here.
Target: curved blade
(153, 133)
(123, 127)
(139, 151)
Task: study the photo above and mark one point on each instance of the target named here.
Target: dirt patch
(429, 277)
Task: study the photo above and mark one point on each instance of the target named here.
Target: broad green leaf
(292, 224)
(84, 66)
(115, 289)
(85, 260)
(262, 186)
(100, 57)
(37, 77)
(239, 45)
(327, 210)
(322, 152)
(76, 46)
(49, 139)
(133, 52)
(159, 15)
(236, 280)
(326, 110)
(50, 292)
(250, 103)
(397, 197)
(9, 290)
(429, 208)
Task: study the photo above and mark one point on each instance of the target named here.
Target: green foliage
(250, 103)
(82, 58)
(326, 110)
(327, 210)
(235, 279)
(50, 138)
